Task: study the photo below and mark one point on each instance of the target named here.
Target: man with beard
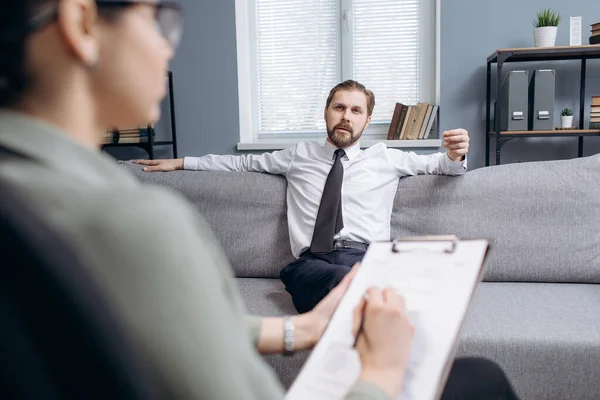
(340, 197)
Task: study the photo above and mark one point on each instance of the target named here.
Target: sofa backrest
(542, 218)
(247, 212)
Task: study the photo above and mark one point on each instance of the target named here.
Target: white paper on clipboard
(437, 277)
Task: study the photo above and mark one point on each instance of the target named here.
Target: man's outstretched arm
(276, 162)
(451, 162)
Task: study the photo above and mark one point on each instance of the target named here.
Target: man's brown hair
(351, 85)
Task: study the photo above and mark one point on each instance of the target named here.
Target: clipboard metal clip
(451, 239)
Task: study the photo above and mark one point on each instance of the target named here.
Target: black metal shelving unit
(529, 54)
(149, 144)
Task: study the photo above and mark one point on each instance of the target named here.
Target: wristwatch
(288, 335)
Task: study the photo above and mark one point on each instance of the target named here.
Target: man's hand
(161, 165)
(456, 143)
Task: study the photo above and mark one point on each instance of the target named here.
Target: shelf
(404, 144)
(545, 53)
(144, 143)
(532, 54)
(557, 132)
(124, 144)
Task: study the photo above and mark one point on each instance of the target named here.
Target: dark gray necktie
(329, 218)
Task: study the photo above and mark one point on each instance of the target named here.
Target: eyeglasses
(168, 16)
(169, 19)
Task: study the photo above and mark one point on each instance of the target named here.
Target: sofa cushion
(542, 218)
(546, 336)
(266, 297)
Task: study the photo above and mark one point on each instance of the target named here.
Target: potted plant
(566, 118)
(546, 24)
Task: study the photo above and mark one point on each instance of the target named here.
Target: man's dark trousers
(312, 276)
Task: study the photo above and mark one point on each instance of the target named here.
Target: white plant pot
(545, 36)
(566, 121)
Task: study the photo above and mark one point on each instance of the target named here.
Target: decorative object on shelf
(546, 24)
(575, 31)
(512, 113)
(542, 88)
(595, 37)
(566, 118)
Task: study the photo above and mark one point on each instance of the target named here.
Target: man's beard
(343, 139)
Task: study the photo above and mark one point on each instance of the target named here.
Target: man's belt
(349, 244)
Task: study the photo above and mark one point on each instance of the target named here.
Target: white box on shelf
(575, 36)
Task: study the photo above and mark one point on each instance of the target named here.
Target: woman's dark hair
(14, 28)
(13, 32)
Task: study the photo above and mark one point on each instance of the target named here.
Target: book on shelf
(595, 37)
(595, 113)
(403, 122)
(395, 120)
(412, 118)
(412, 122)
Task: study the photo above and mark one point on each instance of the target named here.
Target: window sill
(398, 144)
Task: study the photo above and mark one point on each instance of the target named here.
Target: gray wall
(205, 71)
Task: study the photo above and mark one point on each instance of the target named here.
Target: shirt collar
(49, 146)
(351, 151)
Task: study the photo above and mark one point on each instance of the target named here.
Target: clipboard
(333, 367)
(451, 240)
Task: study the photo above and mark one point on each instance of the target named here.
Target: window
(292, 52)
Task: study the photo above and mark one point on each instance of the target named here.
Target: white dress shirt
(368, 189)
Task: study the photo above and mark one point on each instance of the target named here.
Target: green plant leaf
(566, 112)
(547, 17)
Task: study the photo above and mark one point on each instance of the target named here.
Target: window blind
(385, 47)
(302, 48)
(297, 64)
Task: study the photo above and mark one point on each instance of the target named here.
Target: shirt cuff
(253, 325)
(456, 167)
(363, 390)
(191, 163)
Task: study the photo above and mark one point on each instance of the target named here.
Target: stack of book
(133, 135)
(595, 113)
(595, 38)
(412, 122)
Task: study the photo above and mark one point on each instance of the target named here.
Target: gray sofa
(537, 313)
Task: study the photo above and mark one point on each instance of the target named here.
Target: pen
(360, 328)
(362, 321)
